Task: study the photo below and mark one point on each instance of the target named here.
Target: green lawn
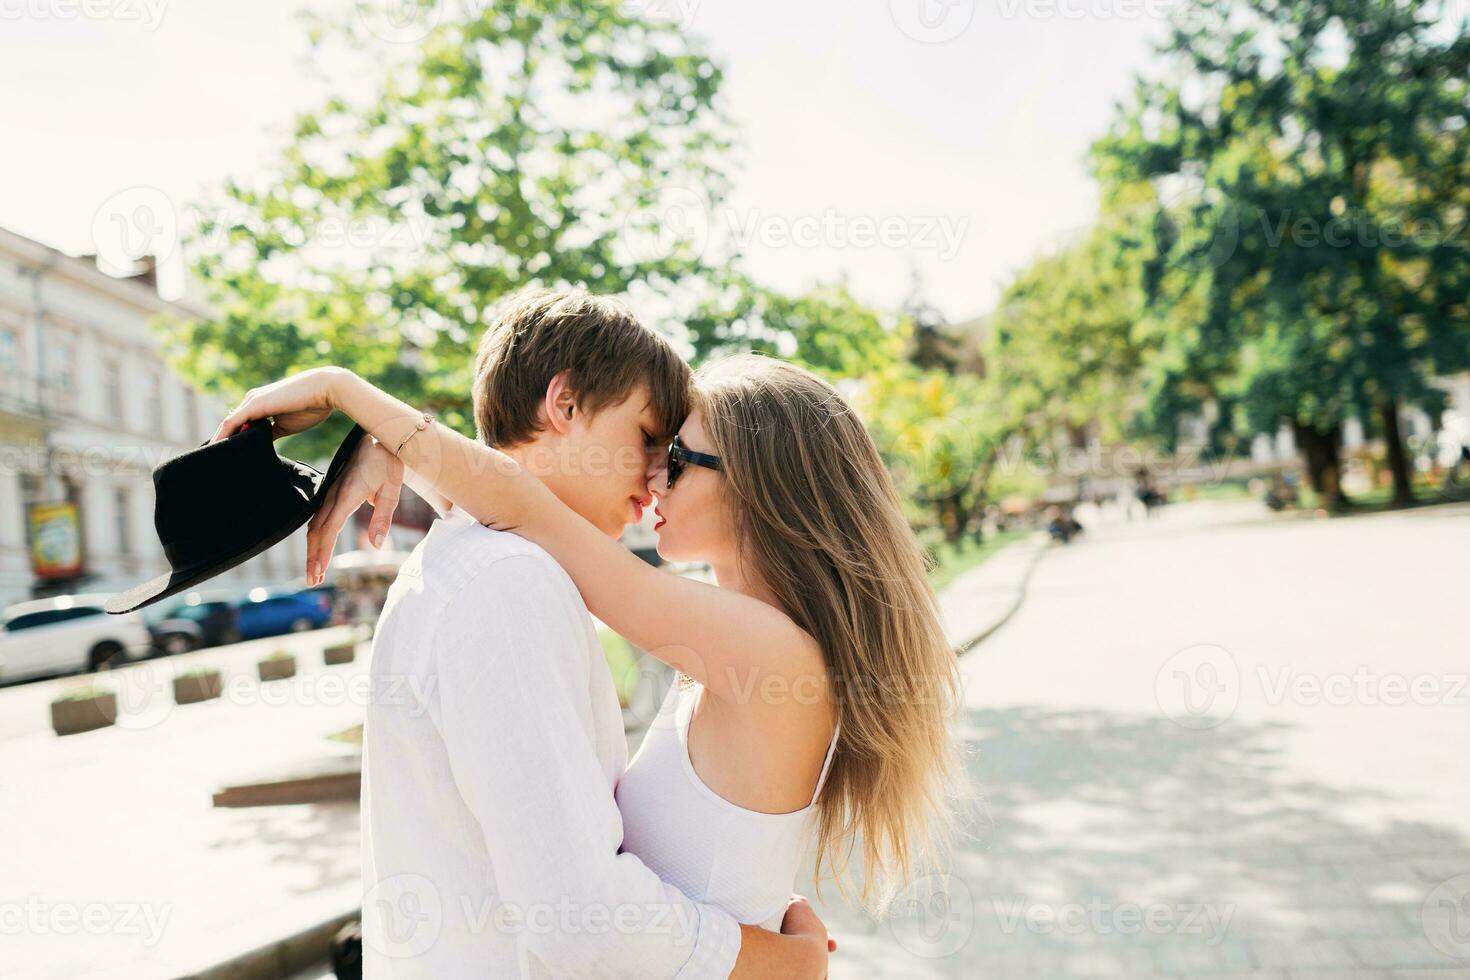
(1226, 490)
(1379, 498)
(955, 560)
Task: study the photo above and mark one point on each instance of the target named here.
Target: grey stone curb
(1022, 584)
(281, 957)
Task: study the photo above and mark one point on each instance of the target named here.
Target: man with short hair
(494, 740)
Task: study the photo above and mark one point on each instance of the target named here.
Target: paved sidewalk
(1216, 748)
(1123, 829)
(116, 865)
(129, 835)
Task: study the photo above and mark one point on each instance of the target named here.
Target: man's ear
(560, 405)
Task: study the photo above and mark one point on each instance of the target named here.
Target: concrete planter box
(276, 668)
(204, 686)
(82, 714)
(342, 653)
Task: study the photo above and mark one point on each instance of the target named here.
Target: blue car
(271, 614)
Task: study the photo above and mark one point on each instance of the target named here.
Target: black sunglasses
(678, 456)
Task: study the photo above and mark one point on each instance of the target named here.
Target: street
(1212, 745)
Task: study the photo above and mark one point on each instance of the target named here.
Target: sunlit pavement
(115, 862)
(1213, 745)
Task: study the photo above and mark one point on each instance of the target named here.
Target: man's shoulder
(497, 568)
(511, 592)
(459, 542)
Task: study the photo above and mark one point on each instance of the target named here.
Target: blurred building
(87, 410)
(1455, 422)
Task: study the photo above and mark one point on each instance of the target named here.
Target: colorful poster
(56, 541)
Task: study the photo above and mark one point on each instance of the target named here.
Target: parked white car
(67, 633)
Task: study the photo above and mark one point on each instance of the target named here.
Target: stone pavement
(1212, 745)
(128, 835)
(1209, 745)
(116, 865)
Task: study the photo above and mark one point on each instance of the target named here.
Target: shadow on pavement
(1108, 845)
(279, 835)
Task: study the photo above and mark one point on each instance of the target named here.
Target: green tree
(1310, 256)
(825, 328)
(547, 142)
(935, 428)
(933, 344)
(1067, 342)
(940, 435)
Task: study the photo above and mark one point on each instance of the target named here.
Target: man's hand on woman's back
(802, 920)
(798, 953)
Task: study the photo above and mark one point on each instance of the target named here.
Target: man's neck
(523, 455)
(541, 461)
(535, 458)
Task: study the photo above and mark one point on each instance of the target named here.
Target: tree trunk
(1398, 457)
(947, 510)
(958, 515)
(1320, 449)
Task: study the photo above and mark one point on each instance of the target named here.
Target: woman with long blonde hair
(819, 676)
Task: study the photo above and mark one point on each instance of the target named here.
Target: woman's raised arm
(740, 648)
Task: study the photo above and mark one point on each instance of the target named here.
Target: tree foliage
(526, 142)
(1309, 255)
(825, 328)
(1067, 342)
(941, 435)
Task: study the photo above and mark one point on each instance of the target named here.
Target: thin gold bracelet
(420, 427)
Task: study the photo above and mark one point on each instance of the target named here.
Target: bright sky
(947, 136)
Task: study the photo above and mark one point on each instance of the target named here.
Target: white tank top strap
(827, 762)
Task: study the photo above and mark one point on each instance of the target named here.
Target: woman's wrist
(340, 382)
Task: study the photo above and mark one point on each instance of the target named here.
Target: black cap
(225, 502)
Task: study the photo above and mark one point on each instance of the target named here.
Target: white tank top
(740, 860)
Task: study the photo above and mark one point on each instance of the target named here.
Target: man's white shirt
(491, 749)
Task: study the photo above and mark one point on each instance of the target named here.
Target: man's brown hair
(540, 333)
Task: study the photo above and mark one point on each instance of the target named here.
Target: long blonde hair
(817, 518)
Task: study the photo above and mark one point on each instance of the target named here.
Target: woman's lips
(662, 520)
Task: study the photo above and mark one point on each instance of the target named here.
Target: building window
(71, 492)
(10, 380)
(62, 361)
(30, 495)
(155, 403)
(191, 415)
(121, 500)
(112, 386)
(9, 350)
